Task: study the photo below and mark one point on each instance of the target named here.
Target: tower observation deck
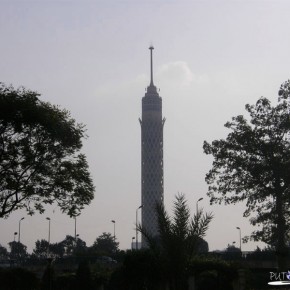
(151, 155)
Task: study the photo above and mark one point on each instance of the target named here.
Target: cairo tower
(151, 155)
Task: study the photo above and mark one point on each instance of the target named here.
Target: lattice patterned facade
(152, 156)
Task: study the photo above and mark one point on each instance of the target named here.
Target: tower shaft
(151, 156)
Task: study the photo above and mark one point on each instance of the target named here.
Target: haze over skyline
(92, 58)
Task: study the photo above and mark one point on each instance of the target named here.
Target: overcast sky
(92, 58)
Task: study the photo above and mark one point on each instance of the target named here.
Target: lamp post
(197, 204)
(114, 222)
(48, 230)
(48, 235)
(75, 229)
(14, 249)
(19, 229)
(15, 234)
(132, 247)
(238, 228)
(76, 241)
(137, 226)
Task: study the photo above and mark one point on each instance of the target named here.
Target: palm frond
(151, 241)
(200, 223)
(164, 222)
(181, 217)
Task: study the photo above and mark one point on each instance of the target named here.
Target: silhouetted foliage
(3, 253)
(141, 270)
(233, 249)
(48, 278)
(213, 274)
(231, 253)
(65, 281)
(73, 246)
(178, 241)
(81, 247)
(83, 276)
(105, 245)
(201, 246)
(40, 161)
(17, 250)
(56, 250)
(118, 281)
(17, 279)
(41, 249)
(67, 247)
(253, 164)
(267, 254)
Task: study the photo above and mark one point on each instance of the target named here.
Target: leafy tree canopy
(68, 247)
(253, 165)
(232, 249)
(17, 250)
(41, 249)
(3, 252)
(73, 245)
(105, 244)
(40, 161)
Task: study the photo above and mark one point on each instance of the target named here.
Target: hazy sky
(92, 58)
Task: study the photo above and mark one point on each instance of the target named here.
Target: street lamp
(75, 229)
(15, 247)
(48, 230)
(132, 247)
(19, 230)
(238, 228)
(114, 222)
(137, 226)
(197, 204)
(48, 234)
(15, 234)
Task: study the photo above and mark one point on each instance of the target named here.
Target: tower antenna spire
(151, 65)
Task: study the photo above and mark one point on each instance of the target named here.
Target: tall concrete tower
(152, 155)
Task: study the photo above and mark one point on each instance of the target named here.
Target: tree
(41, 249)
(3, 253)
(81, 247)
(232, 253)
(105, 245)
(253, 164)
(17, 250)
(72, 245)
(40, 161)
(44, 250)
(232, 249)
(69, 245)
(179, 239)
(56, 250)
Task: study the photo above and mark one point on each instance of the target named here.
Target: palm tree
(178, 240)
